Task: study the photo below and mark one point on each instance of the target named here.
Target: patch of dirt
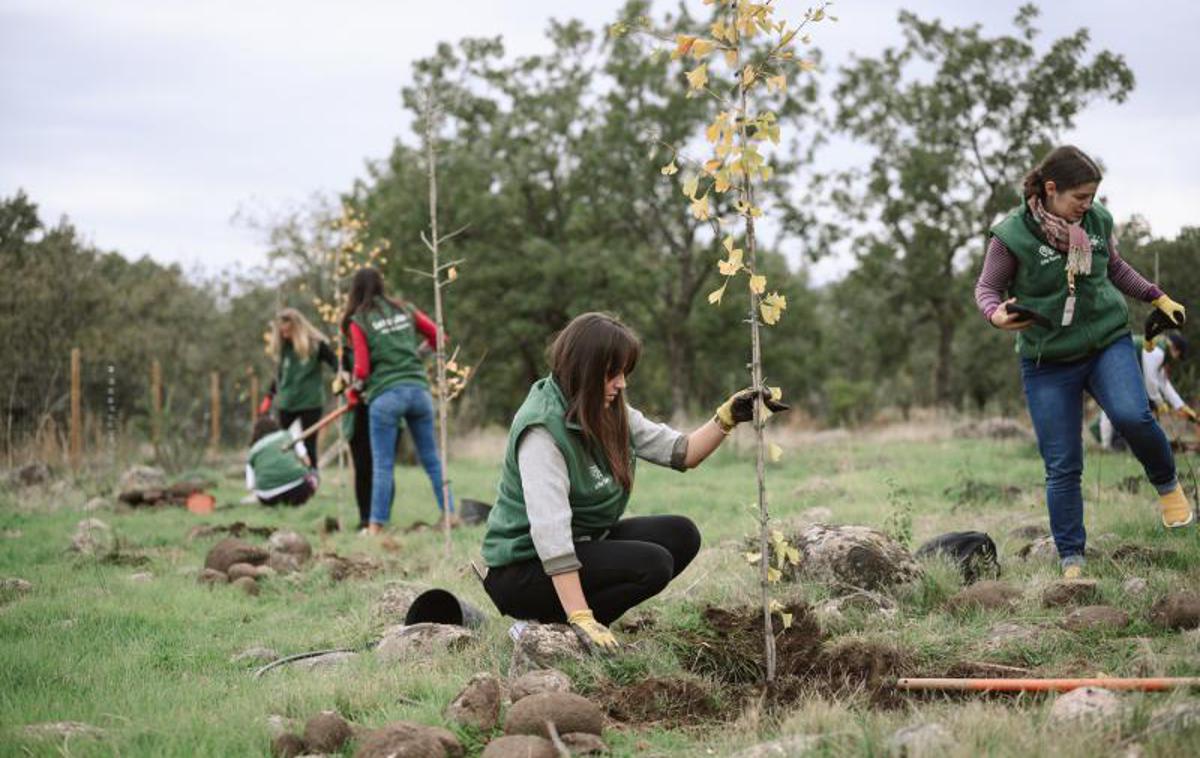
(1132, 552)
(678, 702)
(236, 529)
(970, 492)
(342, 568)
(731, 648)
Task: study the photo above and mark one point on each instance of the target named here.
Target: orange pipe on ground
(1151, 684)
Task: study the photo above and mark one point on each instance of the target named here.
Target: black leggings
(360, 455)
(308, 417)
(635, 562)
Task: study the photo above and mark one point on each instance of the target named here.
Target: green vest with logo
(597, 499)
(299, 384)
(1101, 316)
(274, 462)
(392, 340)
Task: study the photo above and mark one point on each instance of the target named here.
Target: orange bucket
(201, 503)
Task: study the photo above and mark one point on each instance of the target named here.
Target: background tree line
(552, 164)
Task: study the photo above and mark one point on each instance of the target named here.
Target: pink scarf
(1064, 236)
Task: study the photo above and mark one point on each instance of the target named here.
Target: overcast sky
(150, 123)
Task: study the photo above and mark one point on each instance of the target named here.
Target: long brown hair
(1067, 166)
(305, 337)
(366, 292)
(592, 349)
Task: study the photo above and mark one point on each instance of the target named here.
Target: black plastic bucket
(441, 607)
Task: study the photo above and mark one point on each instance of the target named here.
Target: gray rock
(1095, 618)
(1134, 585)
(63, 730)
(291, 543)
(392, 606)
(1071, 592)
(256, 654)
(919, 740)
(784, 747)
(1086, 704)
(856, 556)
(1041, 549)
(542, 646)
(477, 705)
(94, 538)
(859, 601)
(138, 478)
(1007, 633)
(14, 586)
(96, 504)
(421, 639)
(538, 681)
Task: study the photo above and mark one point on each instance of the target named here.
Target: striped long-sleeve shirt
(1000, 267)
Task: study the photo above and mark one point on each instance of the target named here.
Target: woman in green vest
(1052, 273)
(556, 546)
(384, 336)
(297, 392)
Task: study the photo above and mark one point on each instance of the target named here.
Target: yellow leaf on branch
(690, 185)
(670, 169)
(683, 45)
(733, 265)
(714, 297)
(758, 284)
(774, 453)
(701, 48)
(722, 182)
(700, 209)
(452, 273)
(777, 83)
(698, 77)
(711, 166)
(772, 307)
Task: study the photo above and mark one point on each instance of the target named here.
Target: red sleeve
(362, 353)
(426, 327)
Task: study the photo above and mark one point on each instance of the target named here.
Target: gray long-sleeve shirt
(546, 484)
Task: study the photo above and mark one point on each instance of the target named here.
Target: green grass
(149, 662)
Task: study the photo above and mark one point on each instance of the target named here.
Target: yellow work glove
(341, 383)
(594, 635)
(740, 407)
(1171, 309)
(1160, 408)
(1186, 412)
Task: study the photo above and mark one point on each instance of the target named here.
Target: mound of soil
(1095, 618)
(987, 595)
(538, 681)
(327, 732)
(232, 550)
(478, 704)
(730, 650)
(287, 746)
(236, 529)
(403, 739)
(1071, 592)
(568, 713)
(350, 567)
(1131, 552)
(520, 746)
(675, 701)
(1179, 610)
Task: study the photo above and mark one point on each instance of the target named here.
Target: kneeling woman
(556, 546)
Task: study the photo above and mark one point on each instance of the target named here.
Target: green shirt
(298, 385)
(392, 342)
(596, 498)
(275, 463)
(1101, 316)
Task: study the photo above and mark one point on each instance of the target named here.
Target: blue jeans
(1054, 392)
(412, 403)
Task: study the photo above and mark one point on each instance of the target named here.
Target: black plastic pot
(442, 607)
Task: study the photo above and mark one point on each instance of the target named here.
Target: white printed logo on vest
(601, 479)
(393, 323)
(1048, 254)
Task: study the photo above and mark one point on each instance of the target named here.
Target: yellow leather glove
(594, 635)
(1171, 309)
(1160, 408)
(1186, 412)
(740, 407)
(340, 383)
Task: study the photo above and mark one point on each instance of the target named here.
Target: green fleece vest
(299, 387)
(597, 499)
(274, 464)
(1101, 316)
(392, 340)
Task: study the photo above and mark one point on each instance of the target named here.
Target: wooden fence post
(155, 402)
(215, 436)
(253, 395)
(76, 432)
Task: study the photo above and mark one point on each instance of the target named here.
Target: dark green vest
(597, 499)
(299, 385)
(392, 340)
(275, 466)
(1101, 316)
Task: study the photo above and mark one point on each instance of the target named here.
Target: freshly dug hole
(669, 701)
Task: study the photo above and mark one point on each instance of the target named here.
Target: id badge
(1069, 311)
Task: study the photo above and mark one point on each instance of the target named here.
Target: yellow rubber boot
(1175, 508)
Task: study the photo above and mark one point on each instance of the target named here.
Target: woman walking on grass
(297, 392)
(556, 546)
(1055, 256)
(383, 333)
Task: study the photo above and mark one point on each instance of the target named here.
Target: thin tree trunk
(941, 379)
(756, 380)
